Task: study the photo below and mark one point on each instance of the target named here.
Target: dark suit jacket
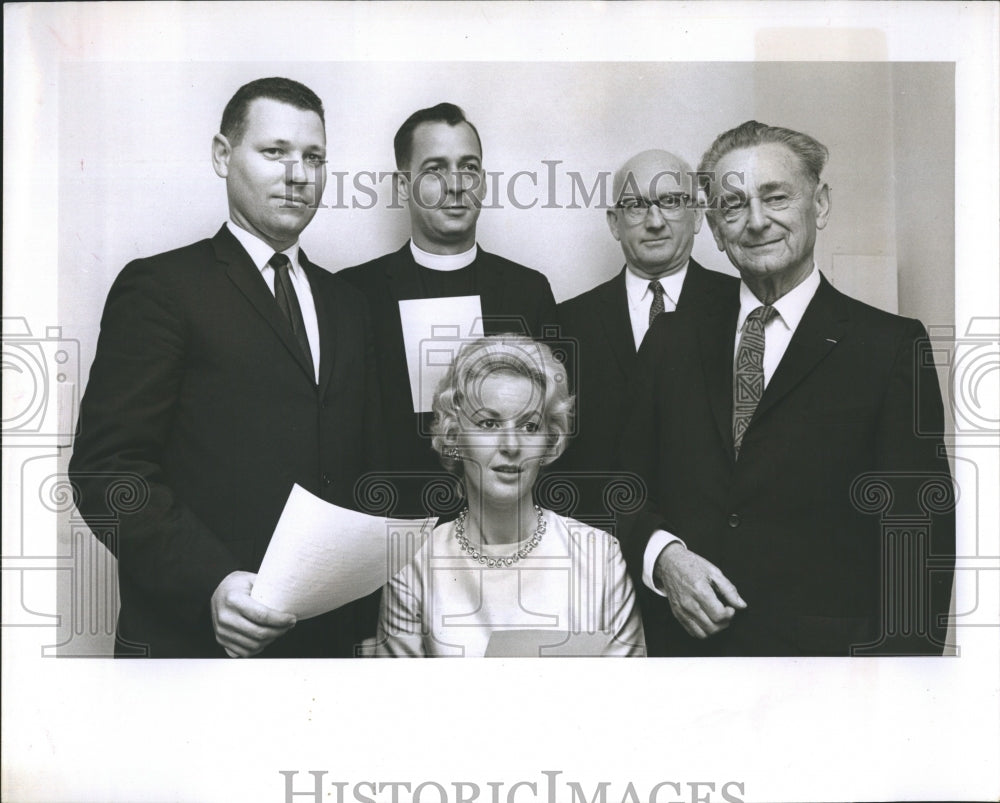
(200, 414)
(514, 299)
(836, 523)
(598, 322)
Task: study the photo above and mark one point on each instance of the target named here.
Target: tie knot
(656, 289)
(762, 314)
(279, 262)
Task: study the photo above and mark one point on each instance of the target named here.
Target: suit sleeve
(376, 455)
(911, 452)
(638, 453)
(125, 422)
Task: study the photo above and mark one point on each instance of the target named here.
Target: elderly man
(227, 371)
(759, 424)
(440, 177)
(655, 219)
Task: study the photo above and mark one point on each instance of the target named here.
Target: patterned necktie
(657, 306)
(288, 302)
(748, 376)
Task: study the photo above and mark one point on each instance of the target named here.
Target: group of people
(748, 410)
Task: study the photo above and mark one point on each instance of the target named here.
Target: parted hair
(811, 153)
(402, 143)
(285, 90)
(502, 354)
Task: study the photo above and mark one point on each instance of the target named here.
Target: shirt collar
(636, 286)
(442, 261)
(791, 306)
(259, 251)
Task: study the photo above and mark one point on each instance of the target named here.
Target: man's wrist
(658, 541)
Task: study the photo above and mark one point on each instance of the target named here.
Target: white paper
(434, 329)
(322, 556)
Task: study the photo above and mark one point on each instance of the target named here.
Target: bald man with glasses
(655, 220)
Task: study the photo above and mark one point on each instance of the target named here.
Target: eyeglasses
(672, 206)
(732, 207)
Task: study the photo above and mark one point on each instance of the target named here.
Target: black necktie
(657, 306)
(748, 376)
(288, 302)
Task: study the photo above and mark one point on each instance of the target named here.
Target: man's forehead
(436, 137)
(654, 173)
(276, 118)
(768, 162)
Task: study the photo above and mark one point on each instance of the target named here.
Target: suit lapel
(492, 291)
(617, 323)
(248, 279)
(695, 289)
(402, 276)
(824, 323)
(326, 320)
(717, 339)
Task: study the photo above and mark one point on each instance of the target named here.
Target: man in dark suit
(226, 371)
(770, 428)
(440, 177)
(655, 219)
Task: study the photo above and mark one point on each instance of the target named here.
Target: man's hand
(242, 625)
(700, 596)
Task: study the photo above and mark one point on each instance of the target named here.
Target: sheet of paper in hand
(434, 329)
(322, 556)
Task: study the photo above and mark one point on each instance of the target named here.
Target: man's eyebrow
(286, 143)
(444, 159)
(771, 186)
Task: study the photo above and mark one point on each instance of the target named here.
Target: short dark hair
(285, 90)
(810, 152)
(448, 113)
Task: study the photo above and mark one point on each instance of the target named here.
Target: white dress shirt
(442, 261)
(640, 299)
(777, 335)
(260, 253)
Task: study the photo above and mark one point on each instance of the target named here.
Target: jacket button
(327, 479)
(734, 520)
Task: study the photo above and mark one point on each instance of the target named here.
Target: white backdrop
(109, 110)
(135, 177)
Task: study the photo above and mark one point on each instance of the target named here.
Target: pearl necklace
(486, 560)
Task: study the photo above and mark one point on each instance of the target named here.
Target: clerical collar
(442, 261)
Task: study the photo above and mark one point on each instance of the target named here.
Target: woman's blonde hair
(512, 354)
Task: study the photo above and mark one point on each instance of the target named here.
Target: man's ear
(699, 216)
(402, 179)
(612, 216)
(713, 226)
(221, 151)
(822, 201)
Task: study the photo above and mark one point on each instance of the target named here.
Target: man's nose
(757, 218)
(453, 181)
(295, 171)
(654, 217)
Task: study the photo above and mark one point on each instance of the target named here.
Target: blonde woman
(507, 577)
